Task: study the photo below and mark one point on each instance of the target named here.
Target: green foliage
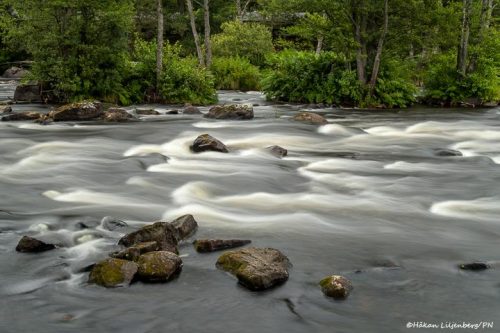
(235, 73)
(395, 87)
(250, 40)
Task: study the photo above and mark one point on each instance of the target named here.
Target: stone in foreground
(32, 245)
(158, 266)
(310, 118)
(134, 252)
(233, 112)
(256, 268)
(212, 245)
(185, 225)
(277, 151)
(162, 233)
(113, 272)
(336, 286)
(474, 266)
(206, 142)
(77, 112)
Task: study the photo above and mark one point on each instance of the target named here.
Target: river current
(366, 196)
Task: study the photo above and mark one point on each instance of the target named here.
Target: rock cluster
(232, 111)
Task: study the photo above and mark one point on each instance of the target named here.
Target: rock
(336, 286)
(161, 232)
(189, 109)
(474, 266)
(311, 118)
(117, 115)
(232, 111)
(134, 252)
(5, 109)
(111, 223)
(206, 142)
(185, 225)
(158, 266)
(173, 112)
(256, 268)
(28, 93)
(277, 151)
(22, 116)
(147, 112)
(447, 152)
(15, 73)
(211, 245)
(78, 111)
(32, 245)
(113, 272)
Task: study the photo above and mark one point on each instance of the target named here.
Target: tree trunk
(464, 38)
(196, 37)
(359, 31)
(486, 12)
(319, 46)
(159, 45)
(380, 46)
(208, 44)
(239, 12)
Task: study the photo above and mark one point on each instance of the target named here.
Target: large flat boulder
(113, 272)
(158, 266)
(232, 111)
(212, 245)
(22, 116)
(256, 268)
(206, 142)
(78, 111)
(163, 233)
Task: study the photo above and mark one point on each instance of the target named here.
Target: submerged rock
(256, 268)
(447, 152)
(162, 233)
(211, 245)
(158, 266)
(32, 245)
(232, 111)
(117, 115)
(206, 142)
(113, 272)
(147, 112)
(134, 252)
(474, 266)
(336, 286)
(189, 109)
(173, 112)
(28, 93)
(311, 118)
(77, 111)
(22, 116)
(112, 223)
(277, 151)
(185, 225)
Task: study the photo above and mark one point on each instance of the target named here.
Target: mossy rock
(113, 272)
(206, 142)
(134, 252)
(162, 233)
(78, 111)
(256, 268)
(232, 111)
(310, 118)
(185, 225)
(336, 286)
(158, 266)
(211, 245)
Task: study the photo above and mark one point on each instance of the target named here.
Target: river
(365, 196)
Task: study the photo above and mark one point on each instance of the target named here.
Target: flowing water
(365, 196)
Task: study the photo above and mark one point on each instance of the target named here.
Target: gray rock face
(336, 286)
(162, 233)
(32, 245)
(206, 142)
(277, 151)
(117, 115)
(310, 118)
(15, 73)
(77, 112)
(113, 272)
(134, 252)
(158, 266)
(233, 111)
(189, 109)
(212, 245)
(256, 268)
(185, 225)
(28, 93)
(22, 116)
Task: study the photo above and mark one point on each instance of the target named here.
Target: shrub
(235, 73)
(395, 87)
(250, 40)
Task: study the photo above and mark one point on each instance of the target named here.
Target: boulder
(134, 252)
(277, 151)
(447, 152)
(474, 266)
(22, 116)
(173, 112)
(117, 115)
(78, 111)
(15, 73)
(185, 225)
(162, 233)
(113, 272)
(206, 142)
(256, 268)
(336, 286)
(189, 109)
(32, 245)
(147, 112)
(212, 245)
(5, 109)
(112, 223)
(158, 266)
(232, 111)
(28, 93)
(310, 118)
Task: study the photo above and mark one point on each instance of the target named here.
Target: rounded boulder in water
(206, 142)
(158, 266)
(336, 286)
(113, 272)
(32, 245)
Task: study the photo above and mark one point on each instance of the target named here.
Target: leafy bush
(394, 86)
(250, 40)
(235, 73)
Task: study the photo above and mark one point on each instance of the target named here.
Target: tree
(159, 45)
(464, 37)
(192, 21)
(208, 43)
